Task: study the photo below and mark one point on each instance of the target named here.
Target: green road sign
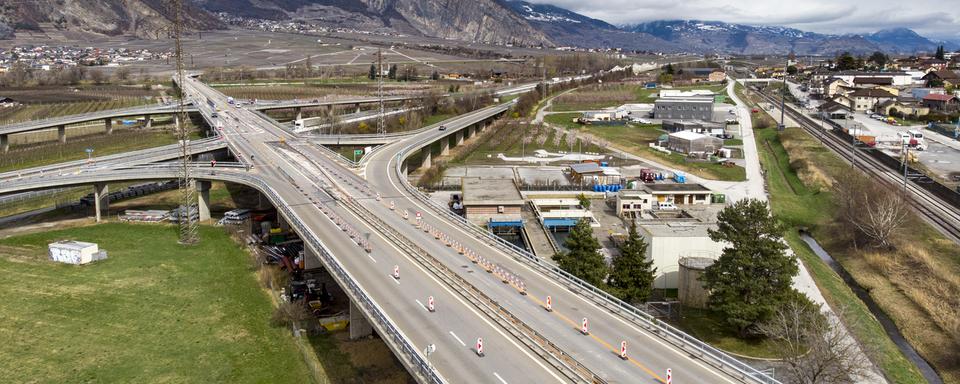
(357, 152)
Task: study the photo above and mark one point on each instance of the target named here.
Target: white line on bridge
(421, 304)
(371, 258)
(455, 337)
(394, 279)
(500, 378)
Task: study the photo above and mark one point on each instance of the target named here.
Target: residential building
(941, 103)
(666, 93)
(941, 78)
(903, 107)
(865, 99)
(691, 142)
(680, 108)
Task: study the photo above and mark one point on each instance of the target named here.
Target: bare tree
(814, 345)
(875, 210)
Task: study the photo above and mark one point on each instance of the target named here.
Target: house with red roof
(940, 102)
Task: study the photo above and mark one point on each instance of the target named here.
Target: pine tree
(435, 76)
(940, 54)
(373, 72)
(392, 72)
(632, 274)
(582, 258)
(754, 274)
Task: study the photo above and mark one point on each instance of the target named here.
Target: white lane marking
(458, 339)
(500, 378)
(421, 304)
(371, 258)
(396, 280)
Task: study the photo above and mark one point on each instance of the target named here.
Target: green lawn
(153, 312)
(712, 328)
(799, 206)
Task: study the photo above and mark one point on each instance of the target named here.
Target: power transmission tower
(381, 129)
(188, 225)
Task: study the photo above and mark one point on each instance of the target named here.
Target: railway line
(942, 213)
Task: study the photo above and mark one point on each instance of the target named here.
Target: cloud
(931, 18)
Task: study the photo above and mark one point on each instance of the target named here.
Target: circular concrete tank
(690, 289)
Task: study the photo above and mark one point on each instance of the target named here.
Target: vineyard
(510, 137)
(612, 95)
(27, 112)
(311, 91)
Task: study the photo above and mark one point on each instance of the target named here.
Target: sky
(938, 19)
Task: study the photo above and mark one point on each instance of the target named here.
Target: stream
(888, 325)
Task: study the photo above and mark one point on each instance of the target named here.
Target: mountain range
(488, 21)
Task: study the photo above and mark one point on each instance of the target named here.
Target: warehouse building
(692, 142)
(684, 108)
(669, 242)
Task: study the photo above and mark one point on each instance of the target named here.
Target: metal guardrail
(394, 337)
(625, 310)
(49, 122)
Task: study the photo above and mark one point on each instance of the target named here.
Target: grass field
(74, 149)
(612, 95)
(712, 328)
(153, 312)
(801, 206)
(508, 138)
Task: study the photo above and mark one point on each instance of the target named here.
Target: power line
(188, 225)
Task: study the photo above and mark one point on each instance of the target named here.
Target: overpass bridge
(341, 215)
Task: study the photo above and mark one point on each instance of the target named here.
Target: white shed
(75, 252)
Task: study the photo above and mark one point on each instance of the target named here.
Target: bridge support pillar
(148, 122)
(108, 125)
(357, 105)
(299, 112)
(403, 169)
(62, 133)
(426, 158)
(4, 143)
(359, 326)
(203, 199)
(445, 146)
(100, 201)
(458, 138)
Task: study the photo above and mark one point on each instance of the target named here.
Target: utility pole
(906, 156)
(783, 97)
(381, 130)
(187, 225)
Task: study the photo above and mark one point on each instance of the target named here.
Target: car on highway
(443, 127)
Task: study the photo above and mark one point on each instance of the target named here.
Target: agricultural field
(28, 112)
(509, 138)
(635, 139)
(152, 311)
(120, 141)
(320, 90)
(612, 95)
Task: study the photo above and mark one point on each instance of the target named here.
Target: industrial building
(493, 203)
(562, 214)
(631, 202)
(593, 173)
(692, 142)
(669, 242)
(680, 108)
(697, 126)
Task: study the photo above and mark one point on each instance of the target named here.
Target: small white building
(75, 252)
(668, 93)
(669, 242)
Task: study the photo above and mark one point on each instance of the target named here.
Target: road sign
(88, 150)
(357, 152)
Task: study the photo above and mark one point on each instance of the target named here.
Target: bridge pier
(299, 112)
(147, 122)
(403, 169)
(359, 326)
(458, 138)
(62, 133)
(4, 143)
(100, 201)
(357, 105)
(108, 125)
(426, 158)
(203, 199)
(445, 146)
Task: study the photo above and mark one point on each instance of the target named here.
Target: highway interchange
(324, 201)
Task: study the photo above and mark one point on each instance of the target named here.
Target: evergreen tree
(940, 53)
(632, 274)
(435, 76)
(879, 59)
(582, 258)
(669, 69)
(373, 72)
(754, 274)
(392, 72)
(846, 62)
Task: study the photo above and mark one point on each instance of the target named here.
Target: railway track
(943, 215)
